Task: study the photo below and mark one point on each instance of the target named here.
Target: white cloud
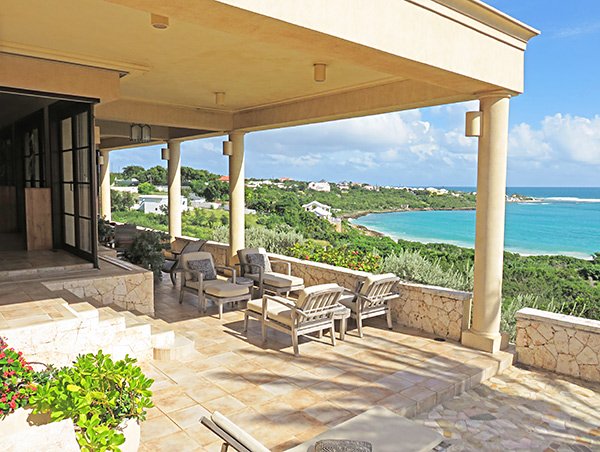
(558, 138)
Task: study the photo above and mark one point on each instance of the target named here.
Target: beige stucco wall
(560, 343)
(435, 310)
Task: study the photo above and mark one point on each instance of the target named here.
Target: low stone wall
(560, 343)
(436, 310)
(132, 289)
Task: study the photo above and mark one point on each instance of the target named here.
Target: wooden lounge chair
(371, 299)
(232, 435)
(172, 257)
(256, 265)
(313, 311)
(201, 278)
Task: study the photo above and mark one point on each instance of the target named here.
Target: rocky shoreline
(362, 213)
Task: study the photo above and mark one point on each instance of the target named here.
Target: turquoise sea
(562, 221)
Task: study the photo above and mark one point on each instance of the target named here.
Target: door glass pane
(83, 163)
(85, 240)
(66, 136)
(68, 198)
(69, 230)
(84, 200)
(82, 130)
(67, 164)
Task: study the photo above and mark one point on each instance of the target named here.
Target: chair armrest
(287, 264)
(225, 269)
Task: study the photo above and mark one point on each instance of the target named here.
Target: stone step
(110, 319)
(84, 311)
(180, 348)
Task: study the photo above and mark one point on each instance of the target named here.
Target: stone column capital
(497, 93)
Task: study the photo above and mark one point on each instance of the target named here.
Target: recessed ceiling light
(159, 22)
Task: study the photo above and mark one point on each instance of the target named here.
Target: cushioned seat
(281, 280)
(257, 306)
(223, 289)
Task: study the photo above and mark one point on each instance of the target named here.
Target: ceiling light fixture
(159, 22)
(320, 72)
(140, 133)
(220, 98)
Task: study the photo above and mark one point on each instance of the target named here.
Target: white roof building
(319, 186)
(157, 203)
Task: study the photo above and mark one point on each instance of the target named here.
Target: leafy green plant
(278, 239)
(18, 380)
(146, 251)
(341, 256)
(98, 394)
(412, 266)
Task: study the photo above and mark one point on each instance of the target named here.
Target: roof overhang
(381, 56)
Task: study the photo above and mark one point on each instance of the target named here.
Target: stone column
(236, 195)
(105, 209)
(174, 181)
(489, 229)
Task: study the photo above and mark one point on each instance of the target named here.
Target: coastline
(362, 213)
(374, 233)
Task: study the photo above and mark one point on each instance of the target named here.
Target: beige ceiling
(183, 65)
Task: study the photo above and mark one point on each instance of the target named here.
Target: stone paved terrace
(284, 400)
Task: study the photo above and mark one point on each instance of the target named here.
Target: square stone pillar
(484, 333)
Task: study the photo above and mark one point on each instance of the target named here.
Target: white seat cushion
(240, 435)
(280, 280)
(222, 289)
(272, 306)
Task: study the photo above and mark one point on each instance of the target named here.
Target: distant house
(319, 209)
(371, 187)
(246, 210)
(319, 186)
(437, 191)
(157, 203)
(224, 178)
(130, 189)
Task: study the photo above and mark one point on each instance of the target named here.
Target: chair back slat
(378, 292)
(319, 305)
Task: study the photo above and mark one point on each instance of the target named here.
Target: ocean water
(562, 221)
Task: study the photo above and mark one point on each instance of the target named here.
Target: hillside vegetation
(555, 283)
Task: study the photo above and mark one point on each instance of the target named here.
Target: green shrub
(146, 251)
(341, 256)
(412, 266)
(277, 240)
(98, 394)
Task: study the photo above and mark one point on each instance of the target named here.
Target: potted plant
(146, 251)
(19, 428)
(105, 399)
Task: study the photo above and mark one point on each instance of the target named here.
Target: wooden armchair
(201, 278)
(371, 298)
(313, 311)
(255, 264)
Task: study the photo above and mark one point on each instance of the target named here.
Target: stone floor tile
(157, 427)
(179, 441)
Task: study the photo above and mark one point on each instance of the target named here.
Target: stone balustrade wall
(436, 310)
(560, 343)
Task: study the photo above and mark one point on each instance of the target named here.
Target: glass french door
(77, 179)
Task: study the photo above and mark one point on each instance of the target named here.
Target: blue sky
(554, 126)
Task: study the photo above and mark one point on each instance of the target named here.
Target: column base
(482, 341)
